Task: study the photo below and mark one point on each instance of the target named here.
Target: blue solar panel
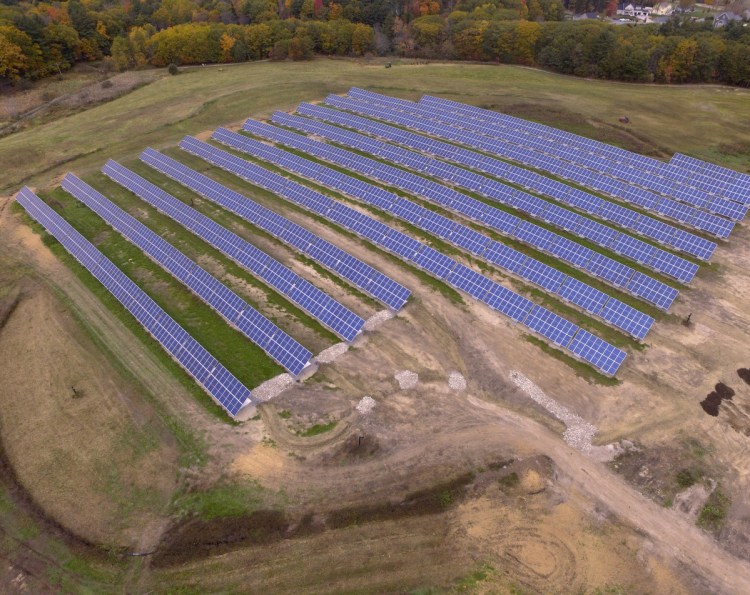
(657, 293)
(536, 236)
(506, 257)
(478, 136)
(525, 231)
(256, 327)
(435, 262)
(633, 248)
(550, 325)
(431, 260)
(610, 270)
(300, 291)
(623, 316)
(590, 299)
(511, 304)
(566, 146)
(543, 275)
(597, 352)
(216, 380)
(471, 282)
(572, 252)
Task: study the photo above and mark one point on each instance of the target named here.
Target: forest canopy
(38, 39)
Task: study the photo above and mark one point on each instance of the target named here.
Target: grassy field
(202, 98)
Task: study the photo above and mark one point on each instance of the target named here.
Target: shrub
(172, 69)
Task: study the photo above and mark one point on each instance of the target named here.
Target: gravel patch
(329, 355)
(406, 379)
(456, 381)
(273, 387)
(365, 405)
(374, 321)
(578, 433)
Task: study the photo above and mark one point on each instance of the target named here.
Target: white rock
(456, 381)
(273, 387)
(365, 405)
(406, 379)
(329, 355)
(374, 321)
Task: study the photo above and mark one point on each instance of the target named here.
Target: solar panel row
(681, 174)
(627, 218)
(710, 177)
(256, 327)
(499, 220)
(424, 121)
(618, 163)
(584, 345)
(299, 291)
(357, 272)
(627, 318)
(207, 371)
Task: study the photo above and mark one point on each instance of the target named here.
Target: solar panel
(590, 299)
(301, 292)
(206, 370)
(597, 351)
(648, 173)
(660, 295)
(360, 274)
(624, 316)
(429, 259)
(256, 327)
(477, 136)
(587, 228)
(550, 325)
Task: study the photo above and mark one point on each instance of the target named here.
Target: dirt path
(676, 538)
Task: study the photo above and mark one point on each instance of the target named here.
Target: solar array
(640, 223)
(722, 181)
(256, 327)
(556, 329)
(299, 291)
(610, 270)
(633, 168)
(358, 273)
(207, 371)
(588, 298)
(423, 120)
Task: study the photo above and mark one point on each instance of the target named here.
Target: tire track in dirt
(674, 537)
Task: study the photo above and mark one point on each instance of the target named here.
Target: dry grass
(201, 98)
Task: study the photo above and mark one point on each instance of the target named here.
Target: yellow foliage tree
(226, 43)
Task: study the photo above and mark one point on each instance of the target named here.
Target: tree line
(38, 39)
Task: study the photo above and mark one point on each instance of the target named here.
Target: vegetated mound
(744, 374)
(713, 400)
